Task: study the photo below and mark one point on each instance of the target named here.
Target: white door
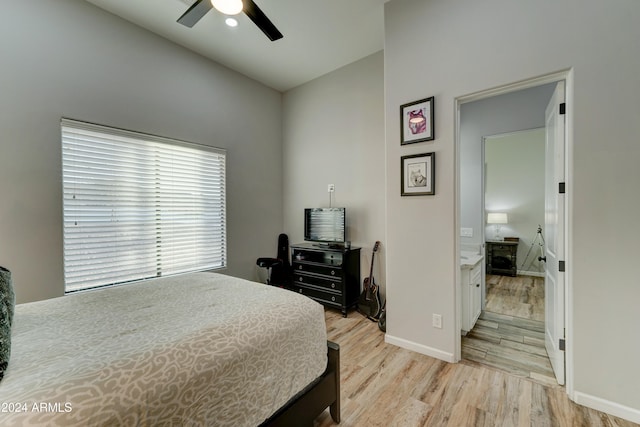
(554, 232)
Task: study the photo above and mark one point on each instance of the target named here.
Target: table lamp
(497, 218)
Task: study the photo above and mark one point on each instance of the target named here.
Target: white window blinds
(138, 206)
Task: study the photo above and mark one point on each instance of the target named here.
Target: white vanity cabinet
(471, 290)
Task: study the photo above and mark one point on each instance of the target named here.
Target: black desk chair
(279, 268)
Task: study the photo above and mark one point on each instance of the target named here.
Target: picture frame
(418, 174)
(417, 121)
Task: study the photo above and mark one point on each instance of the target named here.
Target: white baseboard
(419, 348)
(612, 408)
(530, 273)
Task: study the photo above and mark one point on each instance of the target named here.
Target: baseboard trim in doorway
(419, 348)
(530, 273)
(603, 405)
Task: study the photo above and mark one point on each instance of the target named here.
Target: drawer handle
(299, 267)
(478, 285)
(333, 299)
(300, 290)
(333, 285)
(333, 272)
(301, 279)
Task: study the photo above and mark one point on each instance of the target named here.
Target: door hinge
(561, 344)
(561, 188)
(563, 108)
(561, 266)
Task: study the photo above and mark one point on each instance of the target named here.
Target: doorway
(485, 117)
(514, 165)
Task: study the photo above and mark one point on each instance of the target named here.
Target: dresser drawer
(325, 270)
(332, 283)
(319, 257)
(318, 294)
(499, 247)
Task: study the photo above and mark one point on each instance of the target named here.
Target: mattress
(191, 350)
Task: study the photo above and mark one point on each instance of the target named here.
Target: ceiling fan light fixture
(231, 7)
(228, 7)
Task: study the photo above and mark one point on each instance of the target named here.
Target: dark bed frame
(305, 407)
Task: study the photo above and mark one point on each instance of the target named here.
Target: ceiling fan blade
(260, 19)
(195, 13)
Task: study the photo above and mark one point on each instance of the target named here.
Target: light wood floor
(520, 296)
(510, 334)
(513, 344)
(384, 385)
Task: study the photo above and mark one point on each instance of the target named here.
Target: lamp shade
(497, 218)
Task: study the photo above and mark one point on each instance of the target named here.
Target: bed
(200, 349)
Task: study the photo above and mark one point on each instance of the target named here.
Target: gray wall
(68, 58)
(466, 47)
(334, 134)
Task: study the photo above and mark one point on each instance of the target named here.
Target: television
(325, 225)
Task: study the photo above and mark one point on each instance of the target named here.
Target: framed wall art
(418, 174)
(416, 121)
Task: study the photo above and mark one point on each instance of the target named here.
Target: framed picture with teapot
(416, 121)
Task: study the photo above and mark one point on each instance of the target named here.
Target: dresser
(501, 257)
(327, 274)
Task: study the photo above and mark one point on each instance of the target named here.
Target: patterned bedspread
(201, 349)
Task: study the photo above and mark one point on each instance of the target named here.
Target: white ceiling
(319, 35)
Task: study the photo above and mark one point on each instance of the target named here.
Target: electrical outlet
(331, 188)
(437, 321)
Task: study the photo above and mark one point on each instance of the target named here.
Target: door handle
(542, 258)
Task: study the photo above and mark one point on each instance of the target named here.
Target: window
(138, 206)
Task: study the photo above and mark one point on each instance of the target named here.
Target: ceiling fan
(231, 7)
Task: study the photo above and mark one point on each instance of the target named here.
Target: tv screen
(326, 225)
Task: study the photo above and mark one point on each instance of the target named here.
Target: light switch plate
(466, 232)
(437, 321)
